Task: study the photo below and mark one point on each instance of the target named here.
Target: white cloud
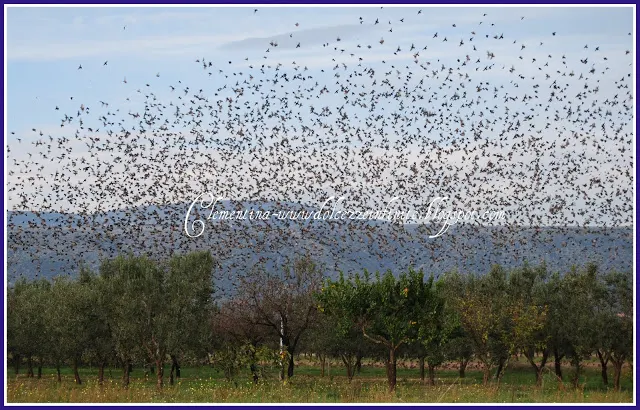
(139, 46)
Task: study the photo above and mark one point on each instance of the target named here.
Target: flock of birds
(541, 132)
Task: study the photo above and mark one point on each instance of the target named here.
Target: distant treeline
(144, 312)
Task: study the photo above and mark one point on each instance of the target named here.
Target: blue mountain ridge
(48, 244)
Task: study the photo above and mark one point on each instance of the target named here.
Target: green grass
(204, 384)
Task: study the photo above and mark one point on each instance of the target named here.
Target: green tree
(482, 304)
(528, 308)
(558, 316)
(188, 300)
(459, 347)
(158, 310)
(386, 309)
(435, 326)
(338, 331)
(66, 319)
(582, 294)
(133, 285)
(615, 323)
(27, 322)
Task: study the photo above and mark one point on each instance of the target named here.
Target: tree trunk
(254, 372)
(500, 368)
(558, 363)
(40, 368)
(16, 363)
(576, 375)
(175, 369)
(539, 376)
(358, 362)
(29, 367)
(391, 369)
(421, 363)
(101, 373)
(538, 369)
(604, 361)
(282, 371)
(386, 367)
(486, 373)
(291, 364)
(432, 374)
(463, 367)
(347, 359)
(323, 363)
(76, 375)
(617, 372)
(160, 373)
(126, 368)
(58, 372)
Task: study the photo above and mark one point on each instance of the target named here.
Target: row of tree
(491, 318)
(135, 310)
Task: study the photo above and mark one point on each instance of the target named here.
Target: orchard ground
(208, 385)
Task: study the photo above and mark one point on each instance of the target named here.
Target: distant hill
(50, 244)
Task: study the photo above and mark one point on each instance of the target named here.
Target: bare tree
(283, 301)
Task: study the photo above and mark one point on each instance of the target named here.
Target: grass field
(207, 385)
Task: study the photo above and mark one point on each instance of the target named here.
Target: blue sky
(160, 46)
(46, 45)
